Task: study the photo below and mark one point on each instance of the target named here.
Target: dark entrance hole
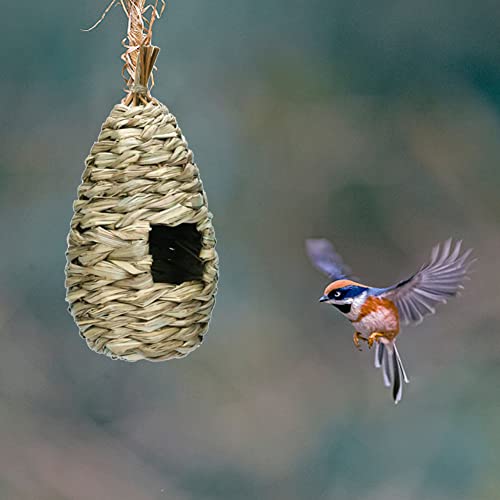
(176, 253)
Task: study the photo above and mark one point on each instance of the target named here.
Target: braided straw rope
(139, 172)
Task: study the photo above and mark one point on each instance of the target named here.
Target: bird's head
(342, 293)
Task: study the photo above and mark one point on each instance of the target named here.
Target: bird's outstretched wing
(436, 281)
(326, 259)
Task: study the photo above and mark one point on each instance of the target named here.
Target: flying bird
(376, 313)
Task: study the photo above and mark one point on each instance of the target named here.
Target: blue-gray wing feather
(326, 259)
(438, 280)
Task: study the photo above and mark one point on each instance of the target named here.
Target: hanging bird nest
(141, 271)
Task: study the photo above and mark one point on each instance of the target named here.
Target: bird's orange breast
(375, 304)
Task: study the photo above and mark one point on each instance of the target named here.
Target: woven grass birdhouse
(141, 271)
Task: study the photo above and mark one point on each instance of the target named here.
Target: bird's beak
(324, 298)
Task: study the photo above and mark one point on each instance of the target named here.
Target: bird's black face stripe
(346, 292)
(345, 308)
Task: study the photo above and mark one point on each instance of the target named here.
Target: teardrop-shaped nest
(142, 269)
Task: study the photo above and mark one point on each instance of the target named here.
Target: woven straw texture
(139, 172)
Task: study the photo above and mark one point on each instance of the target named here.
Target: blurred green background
(375, 124)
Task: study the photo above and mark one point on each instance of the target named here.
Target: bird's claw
(372, 338)
(355, 339)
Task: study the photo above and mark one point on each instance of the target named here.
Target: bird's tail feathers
(387, 357)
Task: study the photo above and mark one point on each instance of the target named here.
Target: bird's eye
(337, 294)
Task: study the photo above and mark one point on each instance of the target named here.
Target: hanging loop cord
(140, 55)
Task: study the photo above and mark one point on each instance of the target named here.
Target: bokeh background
(375, 124)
